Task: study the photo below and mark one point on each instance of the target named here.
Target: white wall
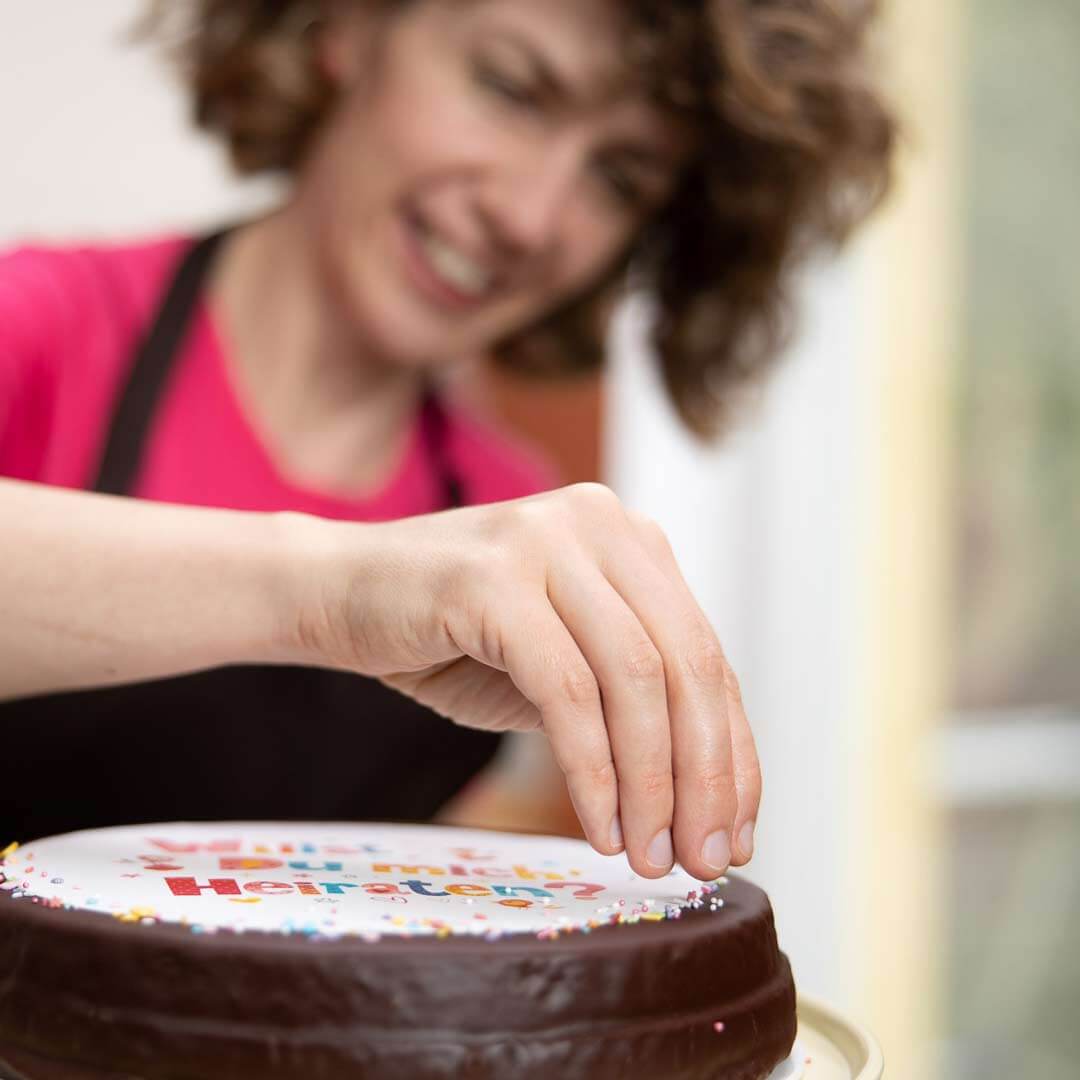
(95, 144)
(93, 132)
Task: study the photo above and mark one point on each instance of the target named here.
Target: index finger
(747, 767)
(706, 792)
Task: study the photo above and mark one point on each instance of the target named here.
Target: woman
(469, 178)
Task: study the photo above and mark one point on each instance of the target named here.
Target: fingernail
(661, 854)
(616, 832)
(716, 851)
(746, 839)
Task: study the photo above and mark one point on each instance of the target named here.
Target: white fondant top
(334, 880)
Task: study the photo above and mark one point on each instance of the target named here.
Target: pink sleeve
(32, 327)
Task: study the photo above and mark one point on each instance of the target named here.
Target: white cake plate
(828, 1046)
(793, 1068)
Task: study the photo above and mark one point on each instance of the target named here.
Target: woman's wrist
(310, 568)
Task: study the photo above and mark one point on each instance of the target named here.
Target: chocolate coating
(86, 997)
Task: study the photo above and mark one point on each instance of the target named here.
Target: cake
(337, 951)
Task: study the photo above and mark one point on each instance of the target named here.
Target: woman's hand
(568, 613)
(562, 612)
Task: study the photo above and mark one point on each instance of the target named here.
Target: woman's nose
(528, 206)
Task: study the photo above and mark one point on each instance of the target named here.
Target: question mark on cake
(584, 891)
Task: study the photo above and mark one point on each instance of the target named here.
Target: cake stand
(828, 1046)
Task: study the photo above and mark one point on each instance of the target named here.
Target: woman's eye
(621, 185)
(506, 86)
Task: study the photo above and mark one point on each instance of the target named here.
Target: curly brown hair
(796, 151)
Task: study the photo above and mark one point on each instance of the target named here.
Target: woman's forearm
(97, 590)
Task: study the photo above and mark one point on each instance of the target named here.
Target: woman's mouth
(443, 271)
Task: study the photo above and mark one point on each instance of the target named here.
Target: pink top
(69, 322)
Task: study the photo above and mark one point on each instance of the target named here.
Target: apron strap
(154, 360)
(436, 437)
(150, 370)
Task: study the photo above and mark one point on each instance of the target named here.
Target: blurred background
(887, 546)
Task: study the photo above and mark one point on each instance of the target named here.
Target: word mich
(523, 873)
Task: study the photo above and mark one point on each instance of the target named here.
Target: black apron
(236, 743)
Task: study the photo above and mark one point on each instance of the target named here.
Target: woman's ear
(336, 50)
(345, 42)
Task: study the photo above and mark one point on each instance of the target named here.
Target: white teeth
(459, 270)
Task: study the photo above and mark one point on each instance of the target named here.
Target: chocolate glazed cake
(237, 951)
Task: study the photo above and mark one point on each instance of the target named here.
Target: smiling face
(488, 160)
